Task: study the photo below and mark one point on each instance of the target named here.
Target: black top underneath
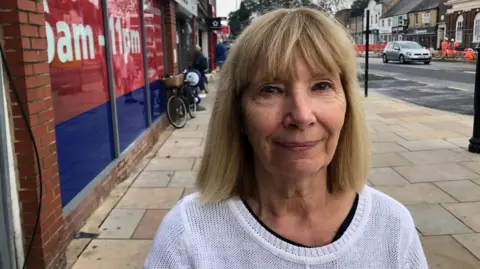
(339, 233)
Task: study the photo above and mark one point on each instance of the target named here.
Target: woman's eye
(270, 89)
(323, 86)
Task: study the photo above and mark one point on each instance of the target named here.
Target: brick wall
(194, 25)
(22, 24)
(23, 32)
(171, 35)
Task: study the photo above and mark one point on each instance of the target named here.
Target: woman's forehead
(299, 69)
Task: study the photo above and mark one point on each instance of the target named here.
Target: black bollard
(367, 43)
(474, 146)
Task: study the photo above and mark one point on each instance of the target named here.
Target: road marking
(425, 83)
(469, 72)
(401, 79)
(456, 88)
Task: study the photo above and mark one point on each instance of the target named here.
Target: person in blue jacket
(221, 54)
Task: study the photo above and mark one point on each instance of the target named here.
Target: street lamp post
(474, 146)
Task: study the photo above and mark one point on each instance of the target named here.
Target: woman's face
(294, 126)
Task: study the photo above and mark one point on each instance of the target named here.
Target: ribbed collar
(304, 255)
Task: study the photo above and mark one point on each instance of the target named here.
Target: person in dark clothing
(200, 64)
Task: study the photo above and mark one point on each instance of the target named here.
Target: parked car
(406, 52)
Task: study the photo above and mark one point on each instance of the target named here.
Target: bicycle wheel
(176, 112)
(190, 101)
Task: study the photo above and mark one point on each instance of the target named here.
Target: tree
(239, 19)
(360, 4)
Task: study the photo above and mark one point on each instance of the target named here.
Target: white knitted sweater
(382, 235)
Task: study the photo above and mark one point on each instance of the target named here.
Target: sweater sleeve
(415, 257)
(169, 249)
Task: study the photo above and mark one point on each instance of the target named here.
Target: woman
(282, 182)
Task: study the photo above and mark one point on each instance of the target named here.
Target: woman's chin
(300, 168)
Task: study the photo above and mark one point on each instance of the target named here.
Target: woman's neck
(279, 196)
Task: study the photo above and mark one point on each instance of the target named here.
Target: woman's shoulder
(189, 210)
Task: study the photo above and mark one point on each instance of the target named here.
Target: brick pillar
(23, 25)
(194, 30)
(171, 34)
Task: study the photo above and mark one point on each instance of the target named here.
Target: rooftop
(402, 7)
(426, 5)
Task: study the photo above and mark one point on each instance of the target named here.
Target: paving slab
(462, 190)
(170, 164)
(470, 242)
(435, 220)
(183, 179)
(121, 223)
(426, 135)
(389, 160)
(433, 156)
(435, 172)
(150, 198)
(444, 252)
(174, 152)
(74, 249)
(469, 213)
(198, 163)
(388, 147)
(385, 137)
(389, 129)
(189, 134)
(414, 194)
(415, 127)
(470, 157)
(474, 166)
(386, 176)
(114, 254)
(431, 144)
(461, 142)
(153, 179)
(183, 142)
(148, 226)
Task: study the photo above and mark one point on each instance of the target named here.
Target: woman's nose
(300, 111)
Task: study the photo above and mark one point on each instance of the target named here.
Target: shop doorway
(184, 44)
(7, 259)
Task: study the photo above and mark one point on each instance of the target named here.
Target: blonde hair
(271, 44)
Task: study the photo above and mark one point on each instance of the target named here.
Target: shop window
(389, 22)
(476, 29)
(416, 19)
(78, 72)
(155, 49)
(127, 58)
(459, 29)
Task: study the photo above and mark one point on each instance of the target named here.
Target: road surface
(447, 86)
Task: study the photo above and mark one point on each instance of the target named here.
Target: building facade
(378, 31)
(422, 23)
(398, 17)
(463, 22)
(352, 19)
(89, 75)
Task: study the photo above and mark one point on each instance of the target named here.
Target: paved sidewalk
(419, 158)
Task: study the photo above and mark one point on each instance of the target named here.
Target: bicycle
(181, 102)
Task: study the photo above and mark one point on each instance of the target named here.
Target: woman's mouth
(297, 146)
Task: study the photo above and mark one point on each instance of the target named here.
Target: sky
(224, 7)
